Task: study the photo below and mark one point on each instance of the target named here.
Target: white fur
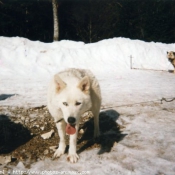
(72, 86)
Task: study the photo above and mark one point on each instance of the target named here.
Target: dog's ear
(174, 53)
(167, 52)
(60, 84)
(84, 84)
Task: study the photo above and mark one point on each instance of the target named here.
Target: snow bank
(24, 58)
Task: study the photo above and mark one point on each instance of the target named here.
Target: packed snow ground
(26, 68)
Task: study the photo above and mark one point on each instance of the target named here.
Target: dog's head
(73, 98)
(171, 55)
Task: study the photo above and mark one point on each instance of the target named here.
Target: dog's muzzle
(71, 120)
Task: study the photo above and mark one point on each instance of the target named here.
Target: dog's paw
(58, 153)
(73, 158)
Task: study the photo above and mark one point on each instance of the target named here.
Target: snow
(27, 66)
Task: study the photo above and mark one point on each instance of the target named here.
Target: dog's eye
(65, 103)
(77, 103)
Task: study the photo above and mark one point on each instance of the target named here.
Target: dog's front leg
(62, 144)
(72, 155)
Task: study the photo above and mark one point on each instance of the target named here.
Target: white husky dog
(71, 93)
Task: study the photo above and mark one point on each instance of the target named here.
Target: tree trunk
(90, 21)
(55, 20)
(90, 30)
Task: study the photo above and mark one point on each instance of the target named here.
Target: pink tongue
(70, 129)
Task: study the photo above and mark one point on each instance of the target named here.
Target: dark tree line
(31, 19)
(90, 20)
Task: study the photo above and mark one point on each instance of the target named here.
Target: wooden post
(130, 61)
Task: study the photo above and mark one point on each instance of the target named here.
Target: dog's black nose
(71, 120)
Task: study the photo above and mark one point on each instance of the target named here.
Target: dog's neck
(171, 60)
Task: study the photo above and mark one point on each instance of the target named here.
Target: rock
(81, 131)
(46, 152)
(20, 165)
(47, 135)
(41, 158)
(42, 128)
(17, 122)
(26, 120)
(33, 115)
(33, 119)
(22, 118)
(24, 111)
(29, 155)
(53, 148)
(5, 159)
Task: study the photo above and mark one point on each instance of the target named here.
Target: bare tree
(55, 20)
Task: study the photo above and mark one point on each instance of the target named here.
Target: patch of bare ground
(21, 131)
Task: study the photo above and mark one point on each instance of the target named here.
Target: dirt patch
(33, 122)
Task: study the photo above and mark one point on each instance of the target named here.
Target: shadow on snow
(109, 132)
(5, 96)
